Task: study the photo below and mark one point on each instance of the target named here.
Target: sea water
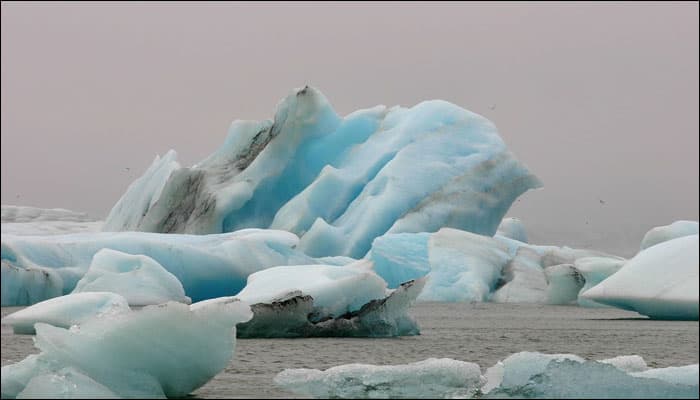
(477, 332)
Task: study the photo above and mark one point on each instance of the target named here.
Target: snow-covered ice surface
(65, 311)
(667, 232)
(661, 281)
(164, 350)
(336, 182)
(521, 375)
(326, 300)
(35, 268)
(140, 279)
(431, 378)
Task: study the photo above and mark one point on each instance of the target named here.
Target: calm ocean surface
(479, 332)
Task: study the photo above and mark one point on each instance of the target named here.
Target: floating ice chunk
(336, 182)
(661, 281)
(594, 270)
(208, 266)
(324, 300)
(49, 227)
(564, 282)
(628, 363)
(66, 383)
(568, 378)
(140, 279)
(517, 369)
(24, 214)
(463, 266)
(335, 290)
(164, 350)
(667, 232)
(431, 378)
(65, 311)
(512, 228)
(686, 375)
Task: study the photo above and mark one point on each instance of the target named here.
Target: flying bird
(493, 106)
(601, 201)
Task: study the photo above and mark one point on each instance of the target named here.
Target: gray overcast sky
(599, 100)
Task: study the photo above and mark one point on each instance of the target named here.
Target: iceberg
(160, 351)
(661, 282)
(38, 267)
(22, 214)
(66, 311)
(564, 282)
(431, 378)
(140, 279)
(595, 270)
(23, 220)
(667, 232)
(464, 266)
(512, 228)
(338, 183)
(327, 300)
(521, 375)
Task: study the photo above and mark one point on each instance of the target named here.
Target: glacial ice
(24, 220)
(431, 378)
(521, 375)
(595, 270)
(326, 300)
(140, 279)
(512, 228)
(564, 282)
(38, 267)
(336, 182)
(575, 379)
(668, 232)
(538, 375)
(65, 311)
(463, 266)
(661, 281)
(23, 214)
(164, 350)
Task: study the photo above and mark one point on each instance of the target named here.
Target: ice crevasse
(336, 182)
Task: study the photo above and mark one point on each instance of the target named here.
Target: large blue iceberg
(336, 182)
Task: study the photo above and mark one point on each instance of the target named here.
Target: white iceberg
(336, 182)
(431, 378)
(38, 267)
(66, 311)
(661, 281)
(140, 279)
(327, 300)
(164, 350)
(667, 232)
